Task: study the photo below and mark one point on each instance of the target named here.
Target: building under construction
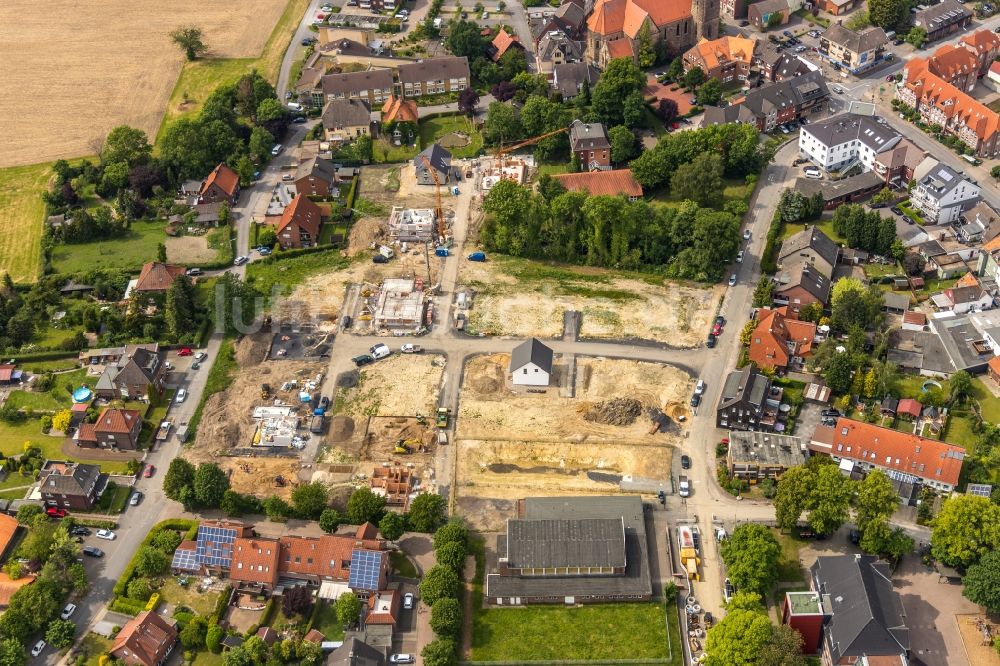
(408, 225)
(504, 168)
(400, 305)
(394, 482)
(276, 426)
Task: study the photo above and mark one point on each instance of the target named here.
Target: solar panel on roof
(366, 567)
(215, 546)
(979, 489)
(186, 560)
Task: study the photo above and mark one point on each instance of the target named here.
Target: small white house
(531, 364)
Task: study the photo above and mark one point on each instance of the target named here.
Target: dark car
(379, 259)
(695, 400)
(829, 421)
(345, 322)
(80, 530)
(896, 209)
(93, 551)
(324, 402)
(720, 321)
(711, 341)
(685, 462)
(830, 412)
(363, 359)
(299, 120)
(855, 537)
(806, 533)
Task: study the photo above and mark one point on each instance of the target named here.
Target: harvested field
(189, 250)
(401, 385)
(616, 307)
(112, 63)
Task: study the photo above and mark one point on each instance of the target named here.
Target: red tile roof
(314, 636)
(86, 432)
(157, 277)
(620, 48)
(995, 68)
(225, 178)
(8, 527)
(6, 372)
(502, 42)
(610, 183)
(916, 318)
(399, 110)
(145, 640)
(908, 406)
(302, 212)
(709, 54)
(116, 420)
(775, 330)
(325, 556)
(994, 364)
(383, 608)
(950, 61)
(611, 16)
(893, 450)
(952, 102)
(981, 41)
(255, 560)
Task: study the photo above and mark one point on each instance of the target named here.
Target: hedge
(49, 355)
(270, 609)
(221, 605)
(769, 260)
(353, 192)
(291, 254)
(94, 522)
(127, 606)
(314, 615)
(177, 524)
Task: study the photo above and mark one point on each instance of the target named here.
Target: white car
(813, 173)
(135, 499)
(746, 234)
(837, 89)
(37, 650)
(486, 15)
(402, 659)
(699, 388)
(107, 535)
(739, 257)
(408, 601)
(182, 394)
(380, 351)
(732, 280)
(200, 356)
(69, 610)
(240, 260)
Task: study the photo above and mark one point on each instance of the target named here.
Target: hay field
(73, 77)
(21, 212)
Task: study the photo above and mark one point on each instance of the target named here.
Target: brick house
(985, 46)
(726, 59)
(943, 19)
(774, 104)
(300, 224)
(801, 284)
(135, 376)
(856, 51)
(780, 340)
(956, 65)
(315, 176)
(433, 76)
(589, 142)
(759, 13)
(222, 185)
(812, 246)
(745, 402)
(156, 277)
(146, 640)
(373, 86)
(346, 119)
(115, 428)
(71, 485)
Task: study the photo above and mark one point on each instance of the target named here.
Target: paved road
(295, 48)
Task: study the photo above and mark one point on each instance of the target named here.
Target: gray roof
(940, 180)
(857, 42)
(895, 300)
(531, 351)
(835, 189)
(355, 82)
(919, 350)
(355, 652)
(744, 384)
(439, 158)
(626, 508)
(765, 448)
(317, 167)
(346, 113)
(588, 542)
(568, 77)
(734, 113)
(847, 127)
(867, 615)
(769, 6)
(587, 136)
(810, 238)
(82, 481)
(795, 91)
(572, 14)
(941, 15)
(957, 335)
(434, 69)
(802, 274)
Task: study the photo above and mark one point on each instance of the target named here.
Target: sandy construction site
(512, 443)
(74, 72)
(612, 307)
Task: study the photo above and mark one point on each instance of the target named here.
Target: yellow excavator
(406, 446)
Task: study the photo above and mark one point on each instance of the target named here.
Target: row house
(774, 104)
(985, 46)
(940, 103)
(373, 86)
(434, 76)
(943, 19)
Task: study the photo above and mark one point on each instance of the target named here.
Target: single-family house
(979, 224)
(556, 48)
(857, 52)
(568, 79)
(156, 277)
(299, 224)
(434, 159)
(960, 300)
(115, 428)
(145, 640)
(531, 364)
(745, 402)
(801, 284)
(614, 183)
(503, 42)
(71, 485)
(811, 246)
(346, 119)
(136, 375)
(943, 194)
(222, 185)
(316, 176)
(399, 110)
(589, 142)
(779, 340)
(355, 652)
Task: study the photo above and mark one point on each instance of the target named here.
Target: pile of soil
(347, 379)
(252, 350)
(616, 411)
(364, 232)
(341, 428)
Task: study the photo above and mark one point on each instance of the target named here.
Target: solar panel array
(979, 489)
(366, 567)
(215, 546)
(186, 560)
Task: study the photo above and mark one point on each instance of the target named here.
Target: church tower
(706, 18)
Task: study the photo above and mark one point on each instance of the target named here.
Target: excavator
(406, 446)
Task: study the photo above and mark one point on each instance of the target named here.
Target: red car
(56, 512)
(185, 351)
(148, 472)
(717, 330)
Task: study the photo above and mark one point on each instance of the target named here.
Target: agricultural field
(116, 64)
(21, 212)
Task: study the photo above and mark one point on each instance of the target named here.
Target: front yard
(127, 252)
(433, 129)
(92, 646)
(202, 603)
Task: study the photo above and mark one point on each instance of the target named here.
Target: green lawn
(826, 226)
(154, 417)
(589, 632)
(220, 240)
(734, 189)
(114, 501)
(38, 367)
(959, 431)
(553, 169)
(127, 252)
(789, 570)
(13, 437)
(912, 212)
(989, 403)
(387, 153)
(433, 129)
(287, 273)
(874, 271)
(207, 658)
(202, 603)
(92, 646)
(327, 624)
(402, 565)
(55, 398)
(21, 218)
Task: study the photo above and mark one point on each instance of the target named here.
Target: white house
(531, 364)
(846, 140)
(961, 300)
(943, 194)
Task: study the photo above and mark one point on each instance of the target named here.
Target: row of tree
(866, 229)
(440, 590)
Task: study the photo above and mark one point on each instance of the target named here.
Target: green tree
(876, 499)
(763, 293)
(751, 555)
(694, 77)
(622, 142)
(676, 69)
(837, 372)
(179, 475)
(348, 609)
(244, 167)
(960, 386)
(646, 53)
(464, 39)
(966, 528)
(439, 582)
(151, 562)
(210, 484)
(126, 145)
(189, 39)
(427, 512)
(269, 109)
(213, 637)
(889, 14)
(620, 79)
(12, 652)
(309, 500)
(738, 638)
(267, 237)
(194, 632)
(502, 124)
(260, 144)
(917, 37)
(454, 532)
(784, 648)
(880, 538)
(446, 617)
(830, 500)
(277, 509)
(364, 506)
(180, 306)
(451, 555)
(392, 526)
(330, 520)
(710, 93)
(139, 588)
(700, 180)
(363, 148)
(982, 582)
(774, 19)
(870, 384)
(792, 206)
(995, 172)
(61, 633)
(440, 652)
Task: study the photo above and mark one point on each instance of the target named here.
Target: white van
(438, 22)
(294, 106)
(277, 149)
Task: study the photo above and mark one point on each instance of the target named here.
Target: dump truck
(442, 417)
(688, 544)
(164, 431)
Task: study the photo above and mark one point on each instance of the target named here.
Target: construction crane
(500, 154)
(438, 211)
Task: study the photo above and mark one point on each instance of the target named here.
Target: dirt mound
(484, 384)
(347, 379)
(675, 410)
(619, 411)
(251, 350)
(486, 374)
(364, 232)
(341, 428)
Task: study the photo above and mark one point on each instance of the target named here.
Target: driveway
(931, 608)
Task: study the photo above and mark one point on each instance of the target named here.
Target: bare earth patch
(189, 249)
(74, 76)
(401, 385)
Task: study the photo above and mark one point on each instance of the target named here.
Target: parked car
(363, 359)
(695, 400)
(107, 535)
(732, 280)
(408, 601)
(345, 322)
(379, 259)
(92, 551)
(739, 257)
(185, 351)
(66, 612)
(148, 472)
(56, 512)
(813, 172)
(240, 260)
(80, 530)
(193, 272)
(409, 348)
(380, 351)
(196, 365)
(699, 388)
(837, 89)
(711, 341)
(716, 330)
(135, 499)
(200, 356)
(855, 537)
(828, 421)
(746, 234)
(831, 412)
(896, 209)
(685, 462)
(37, 650)
(182, 394)
(728, 590)
(683, 486)
(407, 658)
